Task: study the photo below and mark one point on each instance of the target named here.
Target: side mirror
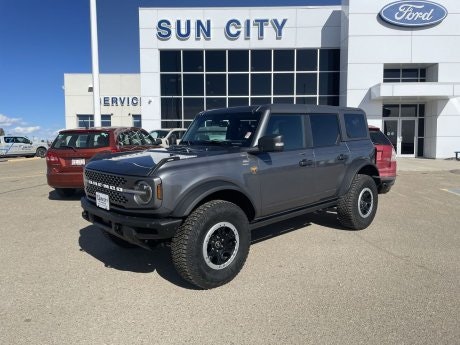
(271, 143)
(172, 140)
(157, 141)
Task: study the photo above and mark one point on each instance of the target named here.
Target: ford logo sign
(413, 13)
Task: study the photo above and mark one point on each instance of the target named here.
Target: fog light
(143, 193)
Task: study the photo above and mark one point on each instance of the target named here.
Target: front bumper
(136, 230)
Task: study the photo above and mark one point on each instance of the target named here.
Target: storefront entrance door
(401, 133)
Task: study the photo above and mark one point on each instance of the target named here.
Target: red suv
(73, 148)
(385, 158)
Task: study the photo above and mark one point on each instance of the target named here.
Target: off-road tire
(356, 209)
(65, 192)
(117, 240)
(211, 246)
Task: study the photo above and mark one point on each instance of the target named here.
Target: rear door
(331, 154)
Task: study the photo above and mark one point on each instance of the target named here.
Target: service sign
(413, 13)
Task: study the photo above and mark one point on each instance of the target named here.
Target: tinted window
(261, 84)
(106, 120)
(171, 108)
(283, 84)
(137, 121)
(85, 121)
(216, 85)
(170, 85)
(329, 60)
(283, 60)
(238, 60)
(238, 84)
(170, 61)
(193, 61)
(307, 60)
(192, 106)
(261, 60)
(81, 140)
(215, 61)
(325, 129)
(355, 125)
(378, 138)
(193, 85)
(291, 127)
(306, 84)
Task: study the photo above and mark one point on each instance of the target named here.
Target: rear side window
(82, 140)
(378, 138)
(325, 129)
(356, 126)
(134, 137)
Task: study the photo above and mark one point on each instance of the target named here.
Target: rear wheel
(65, 192)
(41, 152)
(212, 245)
(357, 208)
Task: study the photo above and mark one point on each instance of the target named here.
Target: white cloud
(26, 130)
(6, 121)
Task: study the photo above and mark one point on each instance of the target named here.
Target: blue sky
(40, 40)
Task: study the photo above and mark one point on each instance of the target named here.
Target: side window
(325, 129)
(356, 126)
(291, 127)
(9, 140)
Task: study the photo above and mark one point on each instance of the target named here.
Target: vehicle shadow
(137, 260)
(79, 193)
(140, 260)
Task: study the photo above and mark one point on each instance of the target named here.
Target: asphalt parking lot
(306, 281)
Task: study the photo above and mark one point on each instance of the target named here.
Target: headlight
(143, 193)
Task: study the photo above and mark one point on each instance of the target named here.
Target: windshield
(214, 128)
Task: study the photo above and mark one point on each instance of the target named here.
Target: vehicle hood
(143, 163)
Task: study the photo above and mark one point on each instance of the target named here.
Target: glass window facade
(197, 80)
(137, 121)
(404, 75)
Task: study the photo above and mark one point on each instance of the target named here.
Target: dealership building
(399, 61)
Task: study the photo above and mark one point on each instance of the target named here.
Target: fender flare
(198, 193)
(353, 169)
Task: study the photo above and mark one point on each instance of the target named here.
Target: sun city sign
(413, 13)
(233, 29)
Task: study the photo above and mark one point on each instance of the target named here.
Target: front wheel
(357, 208)
(212, 245)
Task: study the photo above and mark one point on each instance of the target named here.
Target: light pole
(95, 64)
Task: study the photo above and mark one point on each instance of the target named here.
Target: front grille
(110, 182)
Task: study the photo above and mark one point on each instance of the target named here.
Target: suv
(15, 146)
(385, 159)
(73, 148)
(168, 136)
(235, 170)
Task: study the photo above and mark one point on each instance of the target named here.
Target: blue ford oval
(413, 13)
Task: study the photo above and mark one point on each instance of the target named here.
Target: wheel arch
(363, 167)
(215, 190)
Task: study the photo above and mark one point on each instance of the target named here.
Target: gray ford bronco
(235, 170)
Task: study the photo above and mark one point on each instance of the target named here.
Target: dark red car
(385, 158)
(73, 148)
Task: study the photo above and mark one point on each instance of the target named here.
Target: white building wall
(79, 98)
(370, 43)
(306, 27)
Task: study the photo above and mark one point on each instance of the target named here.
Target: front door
(402, 134)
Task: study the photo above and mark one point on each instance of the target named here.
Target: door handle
(342, 157)
(306, 163)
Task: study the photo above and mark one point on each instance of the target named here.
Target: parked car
(73, 148)
(166, 136)
(385, 159)
(15, 146)
(235, 170)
